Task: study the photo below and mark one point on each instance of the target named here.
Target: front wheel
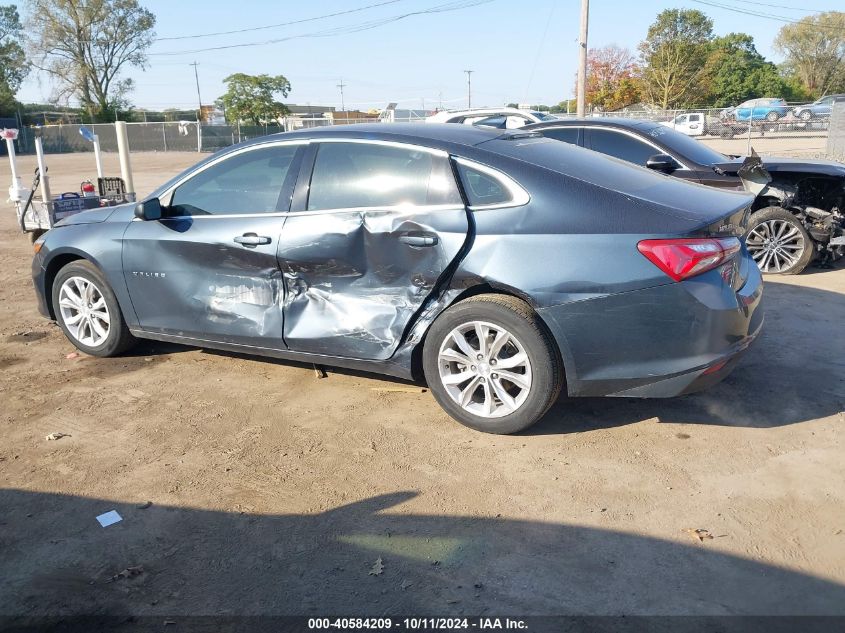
(772, 116)
(87, 311)
(805, 115)
(491, 364)
(778, 241)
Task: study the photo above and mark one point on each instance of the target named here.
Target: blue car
(819, 109)
(760, 110)
(503, 267)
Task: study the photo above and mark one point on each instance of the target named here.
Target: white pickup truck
(699, 124)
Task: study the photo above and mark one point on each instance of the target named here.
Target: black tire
(778, 215)
(118, 338)
(523, 324)
(772, 116)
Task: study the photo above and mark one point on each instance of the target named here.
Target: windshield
(684, 145)
(542, 116)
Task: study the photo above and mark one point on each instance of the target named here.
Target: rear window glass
(482, 188)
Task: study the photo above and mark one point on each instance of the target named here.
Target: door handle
(418, 239)
(252, 239)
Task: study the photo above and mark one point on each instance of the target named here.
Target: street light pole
(469, 88)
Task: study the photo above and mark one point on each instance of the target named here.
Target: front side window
(353, 175)
(249, 182)
(621, 146)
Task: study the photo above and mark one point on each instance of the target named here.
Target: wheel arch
(58, 261)
(455, 296)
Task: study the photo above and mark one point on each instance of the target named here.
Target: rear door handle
(418, 239)
(252, 239)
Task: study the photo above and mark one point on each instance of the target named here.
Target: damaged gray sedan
(504, 268)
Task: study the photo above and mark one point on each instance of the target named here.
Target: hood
(795, 165)
(91, 216)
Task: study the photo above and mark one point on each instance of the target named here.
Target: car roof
(605, 121)
(429, 134)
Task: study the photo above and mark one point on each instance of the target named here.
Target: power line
(273, 26)
(780, 6)
(365, 26)
(778, 18)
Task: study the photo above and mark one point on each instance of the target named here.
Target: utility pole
(469, 88)
(199, 98)
(199, 112)
(582, 62)
(342, 85)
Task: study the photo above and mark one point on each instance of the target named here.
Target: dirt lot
(274, 492)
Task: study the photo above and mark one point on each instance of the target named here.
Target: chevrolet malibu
(504, 267)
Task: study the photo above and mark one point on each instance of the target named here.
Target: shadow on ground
(55, 559)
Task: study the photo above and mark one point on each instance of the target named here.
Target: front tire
(491, 364)
(805, 115)
(772, 116)
(778, 241)
(87, 311)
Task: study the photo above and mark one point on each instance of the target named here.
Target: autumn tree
(253, 97)
(814, 48)
(86, 46)
(613, 78)
(673, 57)
(12, 59)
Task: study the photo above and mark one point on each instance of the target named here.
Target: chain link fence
(189, 136)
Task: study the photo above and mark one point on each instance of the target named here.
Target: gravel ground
(274, 492)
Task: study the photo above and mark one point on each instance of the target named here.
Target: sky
(524, 52)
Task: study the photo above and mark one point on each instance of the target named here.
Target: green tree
(253, 97)
(673, 57)
(814, 48)
(735, 72)
(12, 59)
(86, 46)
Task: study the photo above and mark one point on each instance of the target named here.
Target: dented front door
(379, 226)
(208, 270)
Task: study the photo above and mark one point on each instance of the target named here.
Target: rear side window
(621, 146)
(482, 188)
(565, 134)
(352, 175)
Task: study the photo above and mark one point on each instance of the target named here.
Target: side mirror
(148, 209)
(662, 162)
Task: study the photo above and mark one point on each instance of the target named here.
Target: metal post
(46, 196)
(342, 85)
(469, 88)
(748, 150)
(164, 134)
(582, 62)
(97, 157)
(125, 164)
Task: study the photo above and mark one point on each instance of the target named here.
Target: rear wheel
(778, 241)
(491, 364)
(772, 116)
(87, 311)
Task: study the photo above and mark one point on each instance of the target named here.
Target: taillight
(683, 258)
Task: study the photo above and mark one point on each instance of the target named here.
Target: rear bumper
(658, 342)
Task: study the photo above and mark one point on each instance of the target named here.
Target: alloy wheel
(776, 245)
(84, 311)
(485, 369)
